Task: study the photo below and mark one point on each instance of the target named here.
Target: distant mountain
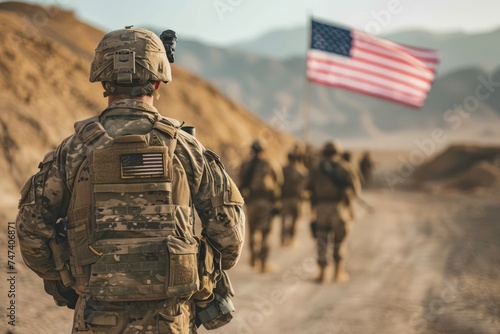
(283, 43)
(457, 50)
(275, 88)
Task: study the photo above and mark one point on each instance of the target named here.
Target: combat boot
(322, 275)
(339, 274)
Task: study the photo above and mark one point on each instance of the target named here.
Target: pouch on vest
(144, 269)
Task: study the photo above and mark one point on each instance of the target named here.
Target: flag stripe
(370, 65)
(417, 103)
(395, 57)
(429, 56)
(356, 81)
(332, 63)
(360, 55)
(371, 81)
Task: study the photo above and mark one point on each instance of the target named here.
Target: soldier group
(327, 184)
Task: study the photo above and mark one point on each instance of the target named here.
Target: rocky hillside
(45, 56)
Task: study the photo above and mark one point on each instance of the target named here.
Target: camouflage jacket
(46, 195)
(322, 187)
(260, 179)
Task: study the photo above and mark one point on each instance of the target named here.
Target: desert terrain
(424, 261)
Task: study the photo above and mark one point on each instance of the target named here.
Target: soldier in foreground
(261, 187)
(292, 196)
(332, 183)
(108, 223)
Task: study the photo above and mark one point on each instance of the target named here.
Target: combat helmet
(331, 148)
(258, 146)
(129, 60)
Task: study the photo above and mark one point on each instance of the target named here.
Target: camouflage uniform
(333, 213)
(292, 195)
(261, 186)
(48, 198)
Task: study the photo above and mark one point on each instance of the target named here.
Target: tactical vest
(130, 217)
(325, 190)
(294, 181)
(263, 183)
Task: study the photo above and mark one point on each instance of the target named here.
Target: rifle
(365, 205)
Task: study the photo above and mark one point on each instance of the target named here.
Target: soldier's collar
(130, 106)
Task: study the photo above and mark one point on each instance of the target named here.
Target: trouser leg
(283, 229)
(252, 245)
(264, 253)
(322, 242)
(339, 251)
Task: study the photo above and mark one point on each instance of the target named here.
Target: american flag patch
(142, 165)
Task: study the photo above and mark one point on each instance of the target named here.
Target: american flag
(142, 165)
(360, 62)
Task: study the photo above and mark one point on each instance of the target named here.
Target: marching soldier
(332, 183)
(292, 195)
(261, 187)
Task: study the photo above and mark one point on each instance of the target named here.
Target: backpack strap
(89, 130)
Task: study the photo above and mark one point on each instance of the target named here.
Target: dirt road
(421, 263)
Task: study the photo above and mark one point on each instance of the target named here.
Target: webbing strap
(128, 267)
(144, 289)
(131, 248)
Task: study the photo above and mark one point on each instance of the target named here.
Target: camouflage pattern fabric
(260, 218)
(332, 232)
(265, 179)
(45, 199)
(293, 193)
(332, 206)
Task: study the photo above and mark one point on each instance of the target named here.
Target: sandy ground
(421, 263)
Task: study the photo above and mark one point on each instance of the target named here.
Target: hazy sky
(228, 21)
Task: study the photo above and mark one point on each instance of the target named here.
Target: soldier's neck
(145, 98)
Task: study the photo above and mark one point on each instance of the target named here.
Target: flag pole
(306, 94)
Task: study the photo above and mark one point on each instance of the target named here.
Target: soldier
(366, 165)
(292, 195)
(117, 197)
(332, 183)
(261, 187)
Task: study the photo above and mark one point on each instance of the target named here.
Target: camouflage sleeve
(218, 203)
(42, 199)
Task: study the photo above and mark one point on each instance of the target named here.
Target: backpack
(130, 217)
(294, 184)
(260, 179)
